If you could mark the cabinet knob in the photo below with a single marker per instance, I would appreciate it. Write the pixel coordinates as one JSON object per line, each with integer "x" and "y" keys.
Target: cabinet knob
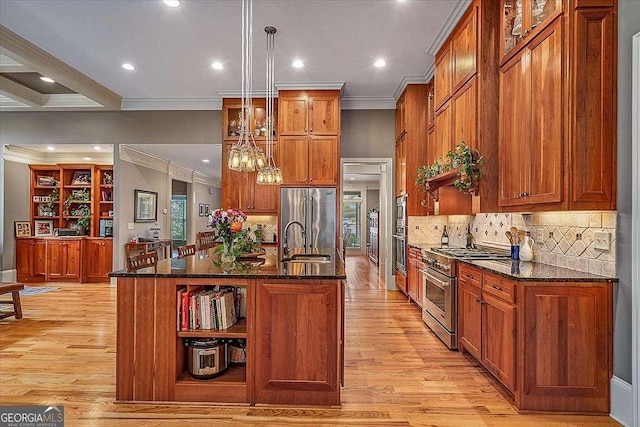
{"x": 496, "y": 287}
{"x": 310, "y": 129}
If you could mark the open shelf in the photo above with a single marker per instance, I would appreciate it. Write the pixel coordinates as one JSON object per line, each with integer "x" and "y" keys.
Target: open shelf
{"x": 238, "y": 330}
{"x": 234, "y": 374}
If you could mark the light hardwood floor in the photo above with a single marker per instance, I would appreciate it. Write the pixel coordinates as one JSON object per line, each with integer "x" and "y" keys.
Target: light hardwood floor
{"x": 397, "y": 372}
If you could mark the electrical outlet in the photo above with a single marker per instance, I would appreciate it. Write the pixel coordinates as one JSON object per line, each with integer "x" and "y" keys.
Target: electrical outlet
{"x": 602, "y": 240}
{"x": 417, "y": 227}
{"x": 539, "y": 235}
{"x": 130, "y": 226}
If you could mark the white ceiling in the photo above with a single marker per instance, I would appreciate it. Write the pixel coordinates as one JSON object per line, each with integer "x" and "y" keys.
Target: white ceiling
{"x": 173, "y": 48}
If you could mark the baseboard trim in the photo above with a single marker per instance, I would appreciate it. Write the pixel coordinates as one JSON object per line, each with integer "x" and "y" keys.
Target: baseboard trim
{"x": 621, "y": 401}
{"x": 9, "y": 275}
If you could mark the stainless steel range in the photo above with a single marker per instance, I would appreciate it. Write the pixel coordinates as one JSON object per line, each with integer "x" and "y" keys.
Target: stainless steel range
{"x": 440, "y": 288}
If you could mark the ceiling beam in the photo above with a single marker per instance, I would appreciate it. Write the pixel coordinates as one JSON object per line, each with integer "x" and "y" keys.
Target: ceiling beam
{"x": 20, "y": 93}
{"x": 46, "y": 64}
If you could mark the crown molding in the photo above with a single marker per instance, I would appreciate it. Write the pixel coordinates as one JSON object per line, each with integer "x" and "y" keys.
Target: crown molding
{"x": 133, "y": 104}
{"x": 367, "y": 103}
{"x": 428, "y": 75}
{"x": 20, "y": 93}
{"x": 310, "y": 86}
{"x": 25, "y": 52}
{"x": 173, "y": 169}
{"x": 54, "y": 102}
{"x": 203, "y": 178}
{"x": 238, "y": 94}
{"x": 449, "y": 25}
{"x": 25, "y": 155}
{"x": 407, "y": 80}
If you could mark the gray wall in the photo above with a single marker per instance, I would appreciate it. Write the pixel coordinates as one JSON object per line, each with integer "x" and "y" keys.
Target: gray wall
{"x": 628, "y": 26}
{"x": 16, "y": 207}
{"x": 368, "y": 134}
{"x": 125, "y": 127}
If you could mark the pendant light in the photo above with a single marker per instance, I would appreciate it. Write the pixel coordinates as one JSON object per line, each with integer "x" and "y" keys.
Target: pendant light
{"x": 270, "y": 174}
{"x": 244, "y": 155}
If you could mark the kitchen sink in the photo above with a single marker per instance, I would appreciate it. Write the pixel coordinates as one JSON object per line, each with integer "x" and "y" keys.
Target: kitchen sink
{"x": 318, "y": 258}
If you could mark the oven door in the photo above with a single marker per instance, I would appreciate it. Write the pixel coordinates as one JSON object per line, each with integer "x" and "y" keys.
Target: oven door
{"x": 439, "y": 298}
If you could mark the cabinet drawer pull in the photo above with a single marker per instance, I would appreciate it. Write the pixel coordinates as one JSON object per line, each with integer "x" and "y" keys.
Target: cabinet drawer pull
{"x": 479, "y": 301}
{"x": 470, "y": 276}
{"x": 496, "y": 287}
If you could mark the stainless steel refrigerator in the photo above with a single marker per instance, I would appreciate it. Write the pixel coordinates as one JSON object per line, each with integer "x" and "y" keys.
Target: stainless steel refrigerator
{"x": 315, "y": 208}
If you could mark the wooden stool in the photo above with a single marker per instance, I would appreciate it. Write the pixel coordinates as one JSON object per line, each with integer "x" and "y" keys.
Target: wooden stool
{"x": 14, "y": 288}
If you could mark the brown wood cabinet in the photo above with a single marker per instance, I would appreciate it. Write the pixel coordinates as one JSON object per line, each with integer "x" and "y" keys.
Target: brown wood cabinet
{"x": 309, "y": 112}
{"x": 64, "y": 260}
{"x": 97, "y": 262}
{"x": 240, "y": 190}
{"x": 466, "y": 102}
{"x": 414, "y": 277}
{"x": 297, "y": 357}
{"x": 309, "y": 123}
{"x": 401, "y": 281}
{"x": 565, "y": 128}
{"x": 401, "y": 118}
{"x": 31, "y": 259}
{"x": 548, "y": 343}
{"x": 310, "y": 160}
{"x": 522, "y": 20}
{"x": 256, "y": 116}
{"x": 411, "y": 150}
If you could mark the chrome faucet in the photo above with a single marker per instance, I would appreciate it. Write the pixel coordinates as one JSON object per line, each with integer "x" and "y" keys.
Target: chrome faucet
{"x": 285, "y": 246}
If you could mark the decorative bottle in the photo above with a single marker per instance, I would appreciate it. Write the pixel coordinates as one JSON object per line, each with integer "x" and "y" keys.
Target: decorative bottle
{"x": 444, "y": 239}
{"x": 469, "y": 236}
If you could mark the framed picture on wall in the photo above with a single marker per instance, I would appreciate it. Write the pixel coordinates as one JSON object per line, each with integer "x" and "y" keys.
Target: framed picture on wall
{"x": 145, "y": 206}
{"x": 23, "y": 228}
{"x": 201, "y": 209}
{"x": 43, "y": 228}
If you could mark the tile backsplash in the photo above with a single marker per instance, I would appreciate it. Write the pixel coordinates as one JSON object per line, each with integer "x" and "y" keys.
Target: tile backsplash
{"x": 268, "y": 223}
{"x": 563, "y": 239}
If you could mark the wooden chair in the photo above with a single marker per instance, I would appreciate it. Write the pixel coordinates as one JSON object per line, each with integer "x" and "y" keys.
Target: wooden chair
{"x": 134, "y": 249}
{"x": 186, "y": 250}
{"x": 345, "y": 241}
{"x": 205, "y": 239}
{"x": 14, "y": 289}
{"x": 144, "y": 260}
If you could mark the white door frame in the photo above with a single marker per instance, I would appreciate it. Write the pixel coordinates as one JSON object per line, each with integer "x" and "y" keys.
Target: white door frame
{"x": 385, "y": 226}
{"x": 635, "y": 227}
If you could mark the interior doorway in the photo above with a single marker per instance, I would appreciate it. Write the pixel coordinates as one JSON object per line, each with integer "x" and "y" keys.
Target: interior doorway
{"x": 179, "y": 223}
{"x": 367, "y": 185}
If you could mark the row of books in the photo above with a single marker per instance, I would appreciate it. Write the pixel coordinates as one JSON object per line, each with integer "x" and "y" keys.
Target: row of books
{"x": 211, "y": 308}
{"x": 106, "y": 196}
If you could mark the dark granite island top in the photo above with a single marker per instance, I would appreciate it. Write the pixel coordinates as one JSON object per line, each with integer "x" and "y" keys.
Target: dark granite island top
{"x": 536, "y": 272}
{"x": 205, "y": 264}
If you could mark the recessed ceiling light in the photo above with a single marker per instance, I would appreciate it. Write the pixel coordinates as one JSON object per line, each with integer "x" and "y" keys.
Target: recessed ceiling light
{"x": 298, "y": 63}
{"x": 50, "y": 148}
{"x": 128, "y": 66}
{"x": 401, "y": 1}
{"x": 97, "y": 148}
{"x": 217, "y": 65}
{"x": 205, "y": 160}
{"x": 352, "y": 179}
{"x": 47, "y": 79}
{"x": 86, "y": 158}
{"x": 171, "y": 3}
{"x": 380, "y": 63}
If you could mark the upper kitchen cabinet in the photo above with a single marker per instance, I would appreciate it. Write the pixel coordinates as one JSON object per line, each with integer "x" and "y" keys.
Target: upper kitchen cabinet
{"x": 431, "y": 105}
{"x": 401, "y": 119}
{"x": 558, "y": 120}
{"x": 466, "y": 103}
{"x": 309, "y": 112}
{"x": 309, "y": 125}
{"x": 240, "y": 190}
{"x": 411, "y": 149}
{"x": 309, "y": 160}
{"x": 522, "y": 20}
{"x": 256, "y": 115}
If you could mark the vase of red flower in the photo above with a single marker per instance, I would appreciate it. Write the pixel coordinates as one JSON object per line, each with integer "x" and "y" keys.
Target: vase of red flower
{"x": 227, "y": 223}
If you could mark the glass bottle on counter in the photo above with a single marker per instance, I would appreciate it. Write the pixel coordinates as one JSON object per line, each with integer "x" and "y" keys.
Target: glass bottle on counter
{"x": 469, "y": 236}
{"x": 444, "y": 239}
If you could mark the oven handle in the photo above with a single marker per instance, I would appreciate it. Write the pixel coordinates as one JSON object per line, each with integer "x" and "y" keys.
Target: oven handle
{"x": 438, "y": 282}
{"x": 398, "y": 236}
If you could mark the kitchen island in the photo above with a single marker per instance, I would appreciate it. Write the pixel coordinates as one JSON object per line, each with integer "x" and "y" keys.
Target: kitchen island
{"x": 292, "y": 325}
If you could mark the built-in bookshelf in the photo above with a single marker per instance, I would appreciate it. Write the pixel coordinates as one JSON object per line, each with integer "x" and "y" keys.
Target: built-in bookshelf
{"x": 70, "y": 196}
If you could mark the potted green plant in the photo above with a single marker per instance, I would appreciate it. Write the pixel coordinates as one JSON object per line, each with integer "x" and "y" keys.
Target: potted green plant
{"x": 84, "y": 212}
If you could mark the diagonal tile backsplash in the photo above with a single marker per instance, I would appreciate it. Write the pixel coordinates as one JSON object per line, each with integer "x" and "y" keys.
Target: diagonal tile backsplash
{"x": 564, "y": 239}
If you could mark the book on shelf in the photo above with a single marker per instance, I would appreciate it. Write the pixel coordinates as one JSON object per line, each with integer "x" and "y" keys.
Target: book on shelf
{"x": 210, "y": 308}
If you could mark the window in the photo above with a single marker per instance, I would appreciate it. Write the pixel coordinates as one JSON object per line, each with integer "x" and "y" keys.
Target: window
{"x": 351, "y": 213}
{"x": 179, "y": 219}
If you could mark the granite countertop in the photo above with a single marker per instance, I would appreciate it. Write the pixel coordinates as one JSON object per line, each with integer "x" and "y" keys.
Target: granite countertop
{"x": 523, "y": 271}
{"x": 205, "y": 264}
